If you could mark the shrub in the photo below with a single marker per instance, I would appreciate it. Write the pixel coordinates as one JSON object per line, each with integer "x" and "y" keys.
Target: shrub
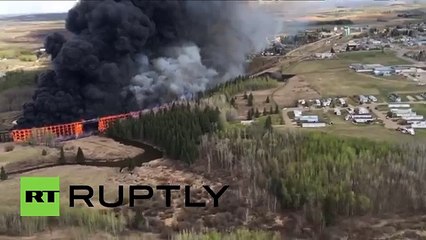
{"x": 80, "y": 156}
{"x": 3, "y": 174}
{"x": 44, "y": 152}
{"x": 9, "y": 148}
{"x": 61, "y": 159}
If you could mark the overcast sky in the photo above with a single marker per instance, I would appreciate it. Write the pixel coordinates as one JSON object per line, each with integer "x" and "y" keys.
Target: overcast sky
{"x": 23, "y": 7}
{"x": 47, "y": 6}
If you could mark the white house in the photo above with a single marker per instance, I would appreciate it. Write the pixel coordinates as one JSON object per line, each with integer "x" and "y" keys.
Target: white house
{"x": 342, "y": 101}
{"x": 398, "y": 105}
{"x": 401, "y": 110}
{"x": 313, "y": 125}
{"x": 363, "y": 120}
{"x": 363, "y": 99}
{"x": 362, "y": 116}
{"x": 363, "y": 110}
{"x": 326, "y": 55}
{"x": 409, "y": 114}
{"x": 337, "y": 111}
{"x": 247, "y": 122}
{"x": 318, "y": 102}
{"x": 309, "y": 118}
{"x": 383, "y": 71}
{"x": 419, "y": 125}
{"x": 372, "y": 98}
{"x": 297, "y": 113}
{"x": 417, "y": 117}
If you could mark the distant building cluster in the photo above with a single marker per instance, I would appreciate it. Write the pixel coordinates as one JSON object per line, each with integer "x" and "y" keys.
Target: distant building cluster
{"x": 408, "y": 118}
{"x": 360, "y": 115}
{"x": 415, "y": 73}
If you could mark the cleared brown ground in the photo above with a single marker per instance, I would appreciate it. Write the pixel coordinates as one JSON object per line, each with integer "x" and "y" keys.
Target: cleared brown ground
{"x": 295, "y": 89}
{"x": 366, "y": 15}
{"x": 94, "y": 148}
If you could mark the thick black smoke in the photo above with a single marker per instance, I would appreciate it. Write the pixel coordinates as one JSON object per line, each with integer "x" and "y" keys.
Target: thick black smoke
{"x": 127, "y": 55}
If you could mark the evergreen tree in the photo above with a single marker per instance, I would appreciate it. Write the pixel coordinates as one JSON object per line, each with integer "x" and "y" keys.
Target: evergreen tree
{"x": 3, "y": 174}
{"x": 265, "y": 112}
{"x": 130, "y": 164}
{"x": 61, "y": 159}
{"x": 267, "y": 99}
{"x": 245, "y": 96}
{"x": 250, "y": 100}
{"x": 249, "y": 115}
{"x": 80, "y": 156}
{"x": 277, "y": 110}
{"x": 257, "y": 113}
{"x": 332, "y": 50}
{"x": 232, "y": 102}
{"x": 268, "y": 123}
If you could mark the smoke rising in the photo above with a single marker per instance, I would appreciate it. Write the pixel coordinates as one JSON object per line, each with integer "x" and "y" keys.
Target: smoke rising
{"x": 127, "y": 55}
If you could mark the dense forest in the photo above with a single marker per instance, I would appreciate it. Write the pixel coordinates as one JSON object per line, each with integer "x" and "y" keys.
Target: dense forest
{"x": 177, "y": 130}
{"x": 323, "y": 175}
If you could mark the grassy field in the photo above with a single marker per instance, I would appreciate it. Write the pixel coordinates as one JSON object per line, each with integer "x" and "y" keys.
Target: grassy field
{"x": 17, "y": 79}
{"x": 419, "y": 109}
{"x": 334, "y": 78}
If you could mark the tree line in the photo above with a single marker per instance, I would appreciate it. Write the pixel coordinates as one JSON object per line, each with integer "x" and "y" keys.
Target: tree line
{"x": 177, "y": 130}
{"x": 323, "y": 175}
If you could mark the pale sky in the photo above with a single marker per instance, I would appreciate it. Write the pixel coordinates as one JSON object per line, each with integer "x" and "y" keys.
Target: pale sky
{"x": 23, "y": 7}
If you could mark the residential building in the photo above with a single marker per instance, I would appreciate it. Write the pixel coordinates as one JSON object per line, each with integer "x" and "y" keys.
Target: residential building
{"x": 363, "y": 99}
{"x": 326, "y": 55}
{"x": 362, "y": 116}
{"x": 297, "y": 113}
{"x": 372, "y": 98}
{"x": 363, "y": 120}
{"x": 401, "y": 110}
{"x": 362, "y": 110}
{"x": 248, "y": 122}
{"x": 313, "y": 125}
{"x": 394, "y": 98}
{"x": 337, "y": 111}
{"x": 409, "y": 114}
{"x": 309, "y": 118}
{"x": 398, "y": 105}
{"x": 419, "y": 125}
{"x": 417, "y": 117}
{"x": 383, "y": 71}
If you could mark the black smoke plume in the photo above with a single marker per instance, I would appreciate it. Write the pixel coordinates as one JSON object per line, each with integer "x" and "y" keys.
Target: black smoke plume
{"x": 128, "y": 55}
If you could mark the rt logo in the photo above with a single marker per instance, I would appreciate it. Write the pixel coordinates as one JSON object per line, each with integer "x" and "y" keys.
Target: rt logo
{"x": 40, "y": 196}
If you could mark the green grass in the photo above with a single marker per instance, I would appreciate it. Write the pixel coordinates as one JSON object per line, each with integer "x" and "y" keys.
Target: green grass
{"x": 370, "y": 57}
{"x": 276, "y": 119}
{"x": 19, "y": 78}
{"x": 27, "y": 58}
{"x": 419, "y": 108}
{"x": 17, "y": 53}
{"x": 334, "y": 78}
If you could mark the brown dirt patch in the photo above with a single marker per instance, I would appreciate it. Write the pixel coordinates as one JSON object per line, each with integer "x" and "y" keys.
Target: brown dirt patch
{"x": 295, "y": 89}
